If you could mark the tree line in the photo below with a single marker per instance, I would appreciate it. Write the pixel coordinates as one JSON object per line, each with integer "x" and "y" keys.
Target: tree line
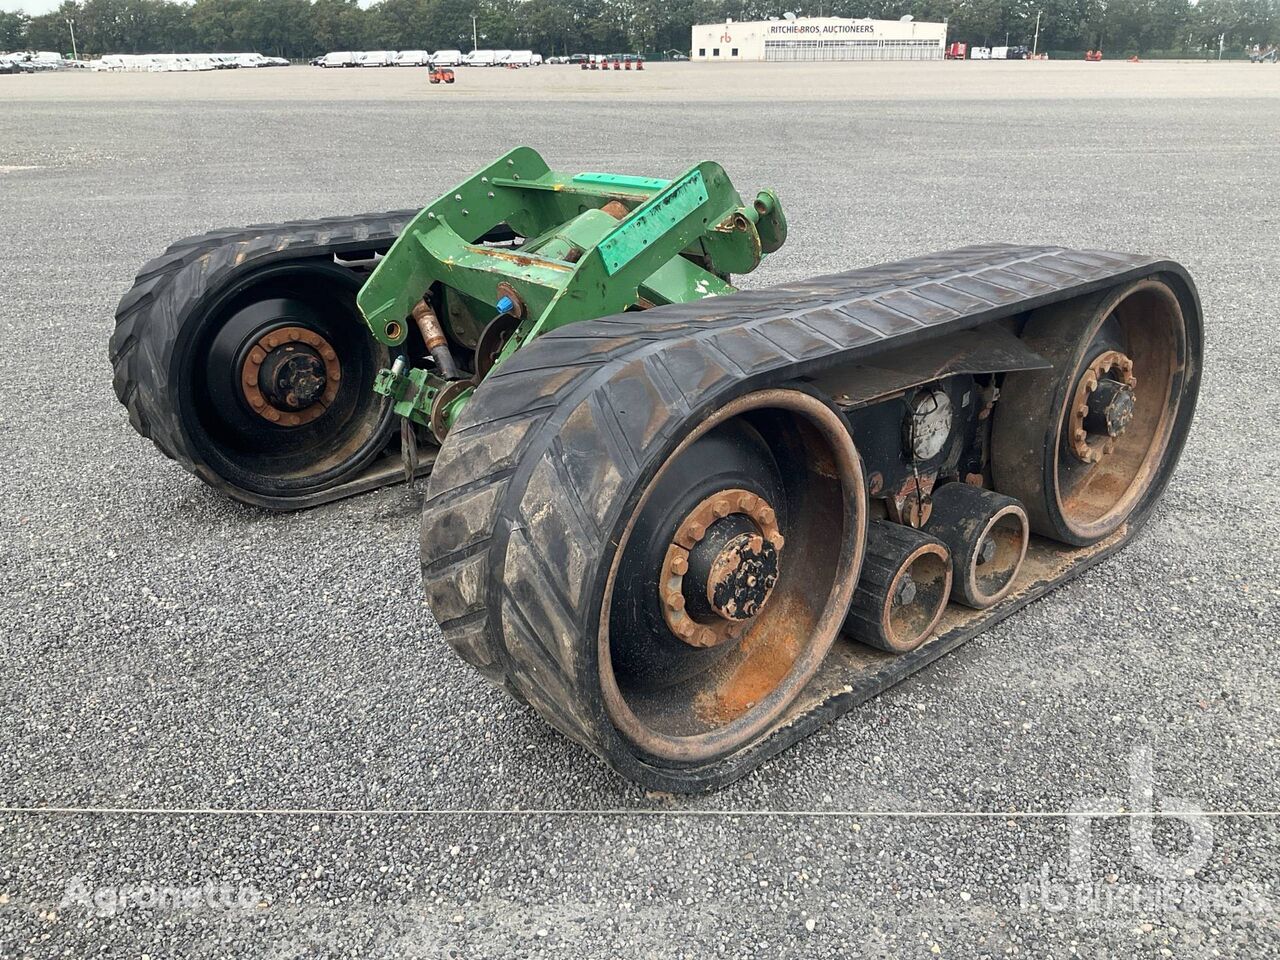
{"x": 305, "y": 28}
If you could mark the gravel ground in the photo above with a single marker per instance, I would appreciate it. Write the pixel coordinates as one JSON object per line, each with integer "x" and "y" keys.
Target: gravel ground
{"x": 161, "y": 649}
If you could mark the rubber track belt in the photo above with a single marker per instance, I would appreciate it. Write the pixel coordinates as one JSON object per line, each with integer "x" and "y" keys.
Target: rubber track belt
{"x": 535, "y": 483}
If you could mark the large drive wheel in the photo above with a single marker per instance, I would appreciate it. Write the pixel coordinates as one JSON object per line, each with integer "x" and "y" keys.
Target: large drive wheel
{"x": 1090, "y": 443}
{"x": 659, "y": 583}
{"x": 275, "y": 382}
{"x": 732, "y": 577}
{"x": 243, "y": 357}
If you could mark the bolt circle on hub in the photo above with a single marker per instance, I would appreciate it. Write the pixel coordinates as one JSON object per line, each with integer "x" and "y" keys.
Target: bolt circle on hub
{"x": 1103, "y": 406}
{"x": 721, "y": 567}
{"x": 290, "y": 376}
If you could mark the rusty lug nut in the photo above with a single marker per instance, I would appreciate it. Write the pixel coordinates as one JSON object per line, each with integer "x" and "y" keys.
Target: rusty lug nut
{"x": 721, "y": 508}
{"x": 680, "y": 566}
{"x": 706, "y": 637}
{"x": 697, "y": 530}
{"x": 778, "y": 541}
{"x": 767, "y": 516}
{"x": 675, "y": 601}
{"x": 746, "y": 503}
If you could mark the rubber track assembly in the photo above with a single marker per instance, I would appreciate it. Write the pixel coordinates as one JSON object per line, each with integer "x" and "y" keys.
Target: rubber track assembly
{"x": 530, "y": 494}
{"x": 152, "y": 317}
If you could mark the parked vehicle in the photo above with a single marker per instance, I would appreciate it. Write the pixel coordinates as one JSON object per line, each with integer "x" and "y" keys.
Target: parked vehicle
{"x": 412, "y": 58}
{"x": 378, "y": 58}
{"x": 341, "y": 59}
{"x": 447, "y": 58}
{"x": 522, "y": 58}
{"x": 441, "y": 75}
{"x": 500, "y": 58}
{"x": 478, "y": 58}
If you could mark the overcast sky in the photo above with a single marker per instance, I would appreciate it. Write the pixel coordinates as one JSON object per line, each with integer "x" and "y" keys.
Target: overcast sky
{"x": 30, "y": 6}
{"x": 44, "y": 6}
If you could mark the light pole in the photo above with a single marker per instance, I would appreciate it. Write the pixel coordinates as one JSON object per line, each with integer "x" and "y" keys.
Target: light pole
{"x": 1035, "y": 44}
{"x": 71, "y": 25}
{"x": 474, "y": 43}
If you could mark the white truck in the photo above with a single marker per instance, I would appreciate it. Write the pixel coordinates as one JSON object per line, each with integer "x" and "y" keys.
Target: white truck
{"x": 447, "y": 58}
{"x": 479, "y": 58}
{"x": 412, "y": 58}
{"x": 342, "y": 58}
{"x": 521, "y": 58}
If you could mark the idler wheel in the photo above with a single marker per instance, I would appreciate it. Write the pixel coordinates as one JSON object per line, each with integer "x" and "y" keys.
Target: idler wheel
{"x": 1091, "y": 441}
{"x": 987, "y": 535}
{"x": 905, "y": 584}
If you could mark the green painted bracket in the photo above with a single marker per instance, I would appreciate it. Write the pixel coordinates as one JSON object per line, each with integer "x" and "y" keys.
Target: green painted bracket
{"x": 594, "y": 244}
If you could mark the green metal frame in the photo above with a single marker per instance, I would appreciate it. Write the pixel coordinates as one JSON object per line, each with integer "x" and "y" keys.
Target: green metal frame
{"x": 679, "y": 241}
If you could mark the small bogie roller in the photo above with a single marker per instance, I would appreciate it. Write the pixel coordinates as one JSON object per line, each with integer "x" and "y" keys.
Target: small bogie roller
{"x": 903, "y": 590}
{"x": 986, "y": 534}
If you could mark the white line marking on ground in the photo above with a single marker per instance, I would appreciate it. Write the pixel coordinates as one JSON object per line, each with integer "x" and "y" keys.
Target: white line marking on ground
{"x": 622, "y": 812}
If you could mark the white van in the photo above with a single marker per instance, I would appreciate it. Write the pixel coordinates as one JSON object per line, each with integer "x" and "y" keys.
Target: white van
{"x": 412, "y": 58}
{"x": 500, "y": 58}
{"x": 521, "y": 58}
{"x": 447, "y": 58}
{"x": 378, "y": 58}
{"x": 478, "y": 58}
{"x": 340, "y": 59}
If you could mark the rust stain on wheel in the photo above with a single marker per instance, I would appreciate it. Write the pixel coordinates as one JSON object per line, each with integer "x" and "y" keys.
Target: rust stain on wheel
{"x": 679, "y": 703}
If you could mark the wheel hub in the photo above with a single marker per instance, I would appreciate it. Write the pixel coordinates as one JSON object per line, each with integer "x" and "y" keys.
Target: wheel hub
{"x": 1103, "y": 406}
{"x": 741, "y": 577}
{"x": 290, "y": 376}
{"x": 720, "y": 568}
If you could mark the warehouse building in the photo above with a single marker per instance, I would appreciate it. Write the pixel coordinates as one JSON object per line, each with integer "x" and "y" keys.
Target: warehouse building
{"x": 819, "y": 38}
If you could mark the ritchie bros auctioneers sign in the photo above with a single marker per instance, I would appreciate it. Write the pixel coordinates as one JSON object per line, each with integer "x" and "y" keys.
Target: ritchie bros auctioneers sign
{"x": 830, "y": 29}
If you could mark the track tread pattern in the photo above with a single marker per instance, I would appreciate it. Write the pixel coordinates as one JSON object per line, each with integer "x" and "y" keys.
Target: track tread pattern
{"x": 581, "y": 419}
